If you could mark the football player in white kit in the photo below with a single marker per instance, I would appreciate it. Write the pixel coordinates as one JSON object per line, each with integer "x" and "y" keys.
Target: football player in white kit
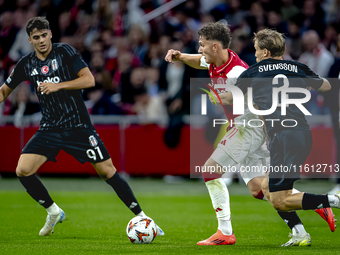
{"x": 242, "y": 145}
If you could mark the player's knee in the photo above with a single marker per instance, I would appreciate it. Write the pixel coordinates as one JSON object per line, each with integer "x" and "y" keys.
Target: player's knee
{"x": 254, "y": 193}
{"x": 22, "y": 171}
{"x": 106, "y": 172}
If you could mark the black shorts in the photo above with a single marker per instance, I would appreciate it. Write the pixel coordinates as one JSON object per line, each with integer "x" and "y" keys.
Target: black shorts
{"x": 83, "y": 144}
{"x": 289, "y": 149}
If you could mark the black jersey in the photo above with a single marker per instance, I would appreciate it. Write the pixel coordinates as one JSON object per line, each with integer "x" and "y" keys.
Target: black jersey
{"x": 260, "y": 77}
{"x": 63, "y": 109}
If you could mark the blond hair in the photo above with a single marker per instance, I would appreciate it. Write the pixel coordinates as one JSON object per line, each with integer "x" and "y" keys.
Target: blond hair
{"x": 271, "y": 40}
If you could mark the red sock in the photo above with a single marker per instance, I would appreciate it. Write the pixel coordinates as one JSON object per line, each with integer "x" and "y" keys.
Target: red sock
{"x": 260, "y": 195}
{"x": 207, "y": 176}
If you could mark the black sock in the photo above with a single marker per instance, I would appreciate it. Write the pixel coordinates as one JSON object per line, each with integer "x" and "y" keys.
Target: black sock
{"x": 36, "y": 190}
{"x": 291, "y": 218}
{"x": 124, "y": 192}
{"x": 311, "y": 201}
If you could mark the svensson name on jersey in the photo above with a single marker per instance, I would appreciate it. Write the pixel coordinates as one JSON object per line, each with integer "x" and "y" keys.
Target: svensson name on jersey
{"x": 278, "y": 66}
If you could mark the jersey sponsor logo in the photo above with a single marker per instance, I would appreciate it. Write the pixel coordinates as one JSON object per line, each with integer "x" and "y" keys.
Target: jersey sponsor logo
{"x": 44, "y": 69}
{"x": 54, "y": 64}
{"x": 34, "y": 72}
{"x": 54, "y": 79}
{"x": 93, "y": 141}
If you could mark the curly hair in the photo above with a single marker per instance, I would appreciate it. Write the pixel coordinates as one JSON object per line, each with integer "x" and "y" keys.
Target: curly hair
{"x": 271, "y": 40}
{"x": 39, "y": 23}
{"x": 216, "y": 31}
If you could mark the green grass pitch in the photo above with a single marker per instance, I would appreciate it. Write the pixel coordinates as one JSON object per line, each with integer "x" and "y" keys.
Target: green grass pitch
{"x": 96, "y": 220}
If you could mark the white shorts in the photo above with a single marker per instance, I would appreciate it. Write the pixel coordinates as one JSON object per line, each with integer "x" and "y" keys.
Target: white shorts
{"x": 243, "y": 150}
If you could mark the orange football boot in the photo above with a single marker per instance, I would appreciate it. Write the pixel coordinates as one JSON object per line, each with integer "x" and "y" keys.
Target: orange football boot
{"x": 327, "y": 215}
{"x": 219, "y": 239}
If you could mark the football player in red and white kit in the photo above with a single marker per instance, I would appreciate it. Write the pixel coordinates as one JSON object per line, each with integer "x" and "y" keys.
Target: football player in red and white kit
{"x": 242, "y": 145}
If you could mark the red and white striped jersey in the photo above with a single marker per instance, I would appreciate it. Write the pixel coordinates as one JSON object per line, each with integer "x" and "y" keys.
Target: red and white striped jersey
{"x": 227, "y": 74}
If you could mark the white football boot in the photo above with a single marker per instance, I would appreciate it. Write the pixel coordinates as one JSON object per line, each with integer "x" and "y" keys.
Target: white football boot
{"x": 338, "y": 196}
{"x": 160, "y": 232}
{"x": 299, "y": 240}
{"x": 51, "y": 221}
{"x": 335, "y": 190}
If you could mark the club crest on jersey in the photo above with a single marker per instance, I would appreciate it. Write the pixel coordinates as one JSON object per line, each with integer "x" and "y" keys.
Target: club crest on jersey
{"x": 54, "y": 64}
{"x": 93, "y": 141}
{"x": 44, "y": 69}
{"x": 220, "y": 80}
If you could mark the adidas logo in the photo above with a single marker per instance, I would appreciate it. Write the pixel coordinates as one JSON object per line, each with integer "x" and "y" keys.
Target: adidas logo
{"x": 35, "y": 72}
{"x": 133, "y": 205}
{"x": 41, "y": 201}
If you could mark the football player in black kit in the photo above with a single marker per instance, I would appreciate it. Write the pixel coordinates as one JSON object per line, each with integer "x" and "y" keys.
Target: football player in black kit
{"x": 289, "y": 134}
{"x": 58, "y": 73}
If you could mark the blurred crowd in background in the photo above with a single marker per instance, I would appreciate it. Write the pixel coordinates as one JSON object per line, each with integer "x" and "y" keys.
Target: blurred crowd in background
{"x": 125, "y": 50}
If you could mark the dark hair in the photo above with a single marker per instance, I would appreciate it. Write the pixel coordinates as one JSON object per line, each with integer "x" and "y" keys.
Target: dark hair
{"x": 271, "y": 40}
{"x": 39, "y": 23}
{"x": 216, "y": 31}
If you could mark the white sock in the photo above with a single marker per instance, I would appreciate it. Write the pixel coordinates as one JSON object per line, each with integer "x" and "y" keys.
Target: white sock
{"x": 225, "y": 226}
{"x": 333, "y": 201}
{"x": 142, "y": 214}
{"x": 219, "y": 195}
{"x": 295, "y": 191}
{"x": 53, "y": 209}
{"x": 299, "y": 230}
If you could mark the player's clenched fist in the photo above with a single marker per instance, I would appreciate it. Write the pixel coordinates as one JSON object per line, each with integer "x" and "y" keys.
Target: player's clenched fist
{"x": 172, "y": 55}
{"x": 47, "y": 88}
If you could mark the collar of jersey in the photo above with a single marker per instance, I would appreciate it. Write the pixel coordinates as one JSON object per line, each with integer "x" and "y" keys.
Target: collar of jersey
{"x": 47, "y": 57}
{"x": 222, "y": 67}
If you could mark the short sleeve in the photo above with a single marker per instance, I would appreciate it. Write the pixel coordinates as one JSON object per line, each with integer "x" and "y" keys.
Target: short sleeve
{"x": 243, "y": 81}
{"x": 17, "y": 76}
{"x": 204, "y": 63}
{"x": 76, "y": 62}
{"x": 312, "y": 79}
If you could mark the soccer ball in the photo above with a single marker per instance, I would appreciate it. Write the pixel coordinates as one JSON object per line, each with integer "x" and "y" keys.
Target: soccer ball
{"x": 141, "y": 230}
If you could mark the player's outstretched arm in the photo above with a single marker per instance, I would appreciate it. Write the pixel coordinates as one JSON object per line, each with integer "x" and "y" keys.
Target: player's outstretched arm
{"x": 325, "y": 85}
{"x": 4, "y": 92}
{"x": 193, "y": 60}
{"x": 85, "y": 80}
